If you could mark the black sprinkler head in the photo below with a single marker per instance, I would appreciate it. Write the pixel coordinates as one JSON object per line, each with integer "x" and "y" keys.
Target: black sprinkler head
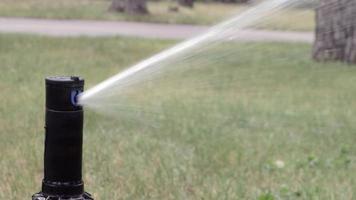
{"x": 63, "y": 141}
{"x": 62, "y": 92}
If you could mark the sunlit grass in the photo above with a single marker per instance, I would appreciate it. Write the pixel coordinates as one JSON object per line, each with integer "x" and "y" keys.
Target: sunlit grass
{"x": 280, "y": 107}
{"x": 203, "y": 13}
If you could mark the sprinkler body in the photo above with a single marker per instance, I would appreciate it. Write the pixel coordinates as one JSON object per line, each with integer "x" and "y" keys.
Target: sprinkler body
{"x": 63, "y": 141}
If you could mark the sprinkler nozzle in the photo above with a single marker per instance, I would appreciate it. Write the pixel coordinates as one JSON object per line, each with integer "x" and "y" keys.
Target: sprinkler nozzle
{"x": 63, "y": 141}
{"x": 74, "y": 97}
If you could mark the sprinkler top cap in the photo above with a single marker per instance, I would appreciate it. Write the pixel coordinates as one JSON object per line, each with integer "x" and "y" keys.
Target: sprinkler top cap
{"x": 69, "y": 81}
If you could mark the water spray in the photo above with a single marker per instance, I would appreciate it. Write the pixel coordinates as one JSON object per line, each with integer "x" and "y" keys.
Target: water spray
{"x": 224, "y": 31}
{"x": 63, "y": 141}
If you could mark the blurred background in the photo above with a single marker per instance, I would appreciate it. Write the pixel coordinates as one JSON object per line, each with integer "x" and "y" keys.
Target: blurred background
{"x": 267, "y": 114}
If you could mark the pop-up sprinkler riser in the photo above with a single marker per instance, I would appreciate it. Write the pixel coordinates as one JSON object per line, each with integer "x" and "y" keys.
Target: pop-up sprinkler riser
{"x": 63, "y": 141}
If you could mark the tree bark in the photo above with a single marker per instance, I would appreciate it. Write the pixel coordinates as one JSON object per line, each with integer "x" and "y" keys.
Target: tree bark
{"x": 186, "y": 3}
{"x": 335, "y": 31}
{"x": 129, "y": 6}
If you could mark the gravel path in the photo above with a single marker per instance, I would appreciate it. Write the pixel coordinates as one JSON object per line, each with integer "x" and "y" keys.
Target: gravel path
{"x": 74, "y": 28}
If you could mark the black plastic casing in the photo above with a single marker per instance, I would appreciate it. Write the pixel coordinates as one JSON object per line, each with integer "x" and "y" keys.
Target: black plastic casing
{"x": 63, "y": 141}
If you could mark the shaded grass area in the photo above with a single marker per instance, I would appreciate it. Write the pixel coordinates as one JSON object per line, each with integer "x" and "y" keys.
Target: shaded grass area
{"x": 280, "y": 107}
{"x": 203, "y": 13}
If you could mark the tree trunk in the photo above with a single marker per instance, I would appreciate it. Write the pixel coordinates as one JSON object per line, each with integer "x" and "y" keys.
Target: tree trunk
{"x": 129, "y": 6}
{"x": 335, "y": 31}
{"x": 186, "y": 3}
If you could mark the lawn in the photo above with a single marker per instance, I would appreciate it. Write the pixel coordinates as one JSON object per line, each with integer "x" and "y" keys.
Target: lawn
{"x": 203, "y": 13}
{"x": 285, "y": 128}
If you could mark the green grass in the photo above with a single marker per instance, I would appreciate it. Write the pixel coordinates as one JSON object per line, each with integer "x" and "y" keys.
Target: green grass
{"x": 203, "y": 13}
{"x": 281, "y": 106}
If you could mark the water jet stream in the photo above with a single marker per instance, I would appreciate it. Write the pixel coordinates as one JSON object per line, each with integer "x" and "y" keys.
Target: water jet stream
{"x": 222, "y": 32}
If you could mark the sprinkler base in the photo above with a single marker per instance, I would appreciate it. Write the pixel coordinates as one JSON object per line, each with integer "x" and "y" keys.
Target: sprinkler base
{"x": 41, "y": 196}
